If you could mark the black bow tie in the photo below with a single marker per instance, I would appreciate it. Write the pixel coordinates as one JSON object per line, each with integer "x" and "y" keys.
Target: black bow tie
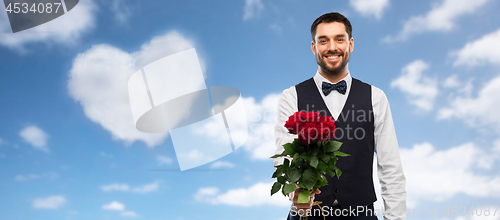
{"x": 341, "y": 87}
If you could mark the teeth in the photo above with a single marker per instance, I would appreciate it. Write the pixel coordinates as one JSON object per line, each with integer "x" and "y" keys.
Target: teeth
{"x": 333, "y": 57}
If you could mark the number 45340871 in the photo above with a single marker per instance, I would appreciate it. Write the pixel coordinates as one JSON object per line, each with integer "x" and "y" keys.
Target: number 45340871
{"x": 34, "y": 8}
{"x": 478, "y": 211}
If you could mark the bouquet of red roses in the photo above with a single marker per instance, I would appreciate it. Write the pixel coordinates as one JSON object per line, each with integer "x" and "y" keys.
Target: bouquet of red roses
{"x": 313, "y": 155}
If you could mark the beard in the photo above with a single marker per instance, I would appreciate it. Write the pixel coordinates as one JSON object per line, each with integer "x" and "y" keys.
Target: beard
{"x": 333, "y": 70}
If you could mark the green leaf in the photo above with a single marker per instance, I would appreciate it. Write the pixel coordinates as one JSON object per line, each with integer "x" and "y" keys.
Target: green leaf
{"x": 330, "y": 172}
{"x": 313, "y": 161}
{"x": 299, "y": 148}
{"x": 297, "y": 142}
{"x": 281, "y": 179}
{"x": 309, "y": 178}
{"x": 280, "y": 155}
{"x": 304, "y": 156}
{"x": 278, "y": 172}
{"x": 275, "y": 174}
{"x": 338, "y": 172}
{"x": 304, "y": 197}
{"x": 321, "y": 182}
{"x": 322, "y": 166}
{"x": 276, "y": 187}
{"x": 341, "y": 154}
{"x": 294, "y": 175}
{"x": 286, "y": 163}
{"x": 325, "y": 157}
{"x": 331, "y": 163}
{"x": 296, "y": 155}
{"x": 289, "y": 149}
{"x": 332, "y": 146}
{"x": 297, "y": 162}
{"x": 301, "y": 185}
{"x": 288, "y": 188}
{"x": 314, "y": 151}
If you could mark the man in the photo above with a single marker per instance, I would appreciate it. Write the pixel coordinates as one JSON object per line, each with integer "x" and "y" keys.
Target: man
{"x": 364, "y": 126}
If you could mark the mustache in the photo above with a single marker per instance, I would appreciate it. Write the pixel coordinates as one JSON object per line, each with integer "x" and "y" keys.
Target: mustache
{"x": 333, "y": 53}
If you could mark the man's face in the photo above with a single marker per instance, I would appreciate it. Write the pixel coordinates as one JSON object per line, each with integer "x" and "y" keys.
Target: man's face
{"x": 332, "y": 48}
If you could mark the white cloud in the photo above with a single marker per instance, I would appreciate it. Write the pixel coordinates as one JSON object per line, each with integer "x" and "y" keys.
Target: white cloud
{"x": 221, "y": 164}
{"x": 256, "y": 195}
{"x": 374, "y": 8}
{"x": 115, "y": 206}
{"x": 98, "y": 81}
{"x": 115, "y": 187}
{"x": 22, "y": 178}
{"x": 51, "y": 202}
{"x": 452, "y": 81}
{"x": 481, "y": 111}
{"x": 419, "y": 89}
{"x": 129, "y": 214}
{"x": 146, "y": 188}
{"x": 121, "y": 10}
{"x": 448, "y": 172}
{"x": 252, "y": 9}
{"x": 65, "y": 30}
{"x": 164, "y": 159}
{"x": 442, "y": 17}
{"x": 36, "y": 137}
{"x": 261, "y": 119}
{"x": 481, "y": 51}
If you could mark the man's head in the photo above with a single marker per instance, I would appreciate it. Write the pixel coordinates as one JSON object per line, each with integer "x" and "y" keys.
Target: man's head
{"x": 332, "y": 43}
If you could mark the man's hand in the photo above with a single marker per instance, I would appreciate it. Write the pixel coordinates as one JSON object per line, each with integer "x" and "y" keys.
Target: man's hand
{"x": 302, "y": 208}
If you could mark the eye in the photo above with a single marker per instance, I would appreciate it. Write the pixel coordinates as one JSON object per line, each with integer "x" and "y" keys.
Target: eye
{"x": 340, "y": 39}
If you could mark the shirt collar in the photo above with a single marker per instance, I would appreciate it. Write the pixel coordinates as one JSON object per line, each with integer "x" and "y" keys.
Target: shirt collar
{"x": 319, "y": 79}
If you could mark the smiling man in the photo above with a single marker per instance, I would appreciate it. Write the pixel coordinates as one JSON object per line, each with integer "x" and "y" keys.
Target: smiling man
{"x": 364, "y": 126}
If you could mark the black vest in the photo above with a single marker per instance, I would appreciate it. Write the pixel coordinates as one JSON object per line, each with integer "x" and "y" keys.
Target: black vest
{"x": 354, "y": 128}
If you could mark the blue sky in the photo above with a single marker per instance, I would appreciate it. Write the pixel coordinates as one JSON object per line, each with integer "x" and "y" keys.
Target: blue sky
{"x": 69, "y": 152}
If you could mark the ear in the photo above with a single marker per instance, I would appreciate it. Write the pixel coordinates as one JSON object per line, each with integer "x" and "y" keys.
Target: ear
{"x": 313, "y": 48}
{"x": 351, "y": 45}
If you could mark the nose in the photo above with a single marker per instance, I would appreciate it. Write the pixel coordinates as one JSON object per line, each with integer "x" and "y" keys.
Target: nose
{"x": 332, "y": 46}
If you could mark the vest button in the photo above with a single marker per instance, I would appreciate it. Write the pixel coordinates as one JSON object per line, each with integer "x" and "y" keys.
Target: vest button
{"x": 337, "y": 191}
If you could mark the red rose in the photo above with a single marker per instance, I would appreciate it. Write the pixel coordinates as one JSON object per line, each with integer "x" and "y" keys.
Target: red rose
{"x": 328, "y": 124}
{"x": 309, "y": 116}
{"x": 307, "y": 134}
{"x": 323, "y": 134}
{"x": 294, "y": 123}
{"x": 311, "y": 127}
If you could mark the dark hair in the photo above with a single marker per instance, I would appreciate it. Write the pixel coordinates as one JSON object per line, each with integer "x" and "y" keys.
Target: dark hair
{"x": 329, "y": 18}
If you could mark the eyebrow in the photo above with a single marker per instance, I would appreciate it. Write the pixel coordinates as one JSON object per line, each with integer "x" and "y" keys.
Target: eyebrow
{"x": 338, "y": 35}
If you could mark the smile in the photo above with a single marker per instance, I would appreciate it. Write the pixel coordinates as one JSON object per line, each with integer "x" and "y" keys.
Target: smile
{"x": 332, "y": 58}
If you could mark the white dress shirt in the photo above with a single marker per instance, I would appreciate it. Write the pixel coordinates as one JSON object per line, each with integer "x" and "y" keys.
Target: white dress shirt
{"x": 390, "y": 171}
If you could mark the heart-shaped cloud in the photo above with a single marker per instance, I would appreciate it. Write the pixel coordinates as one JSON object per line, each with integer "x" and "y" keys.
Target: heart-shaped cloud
{"x": 98, "y": 80}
